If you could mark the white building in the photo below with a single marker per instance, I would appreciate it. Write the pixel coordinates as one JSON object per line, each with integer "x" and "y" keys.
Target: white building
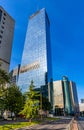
{"x": 6, "y": 38}
{"x": 81, "y": 107}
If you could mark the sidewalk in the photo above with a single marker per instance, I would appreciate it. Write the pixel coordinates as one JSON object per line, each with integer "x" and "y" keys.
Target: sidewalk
{"x": 74, "y": 126}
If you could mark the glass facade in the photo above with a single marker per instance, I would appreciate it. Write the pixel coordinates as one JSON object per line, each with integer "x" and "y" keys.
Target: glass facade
{"x": 63, "y": 94}
{"x": 74, "y": 97}
{"x": 58, "y": 94}
{"x": 67, "y": 99}
{"x": 36, "y": 52}
{"x": 70, "y": 96}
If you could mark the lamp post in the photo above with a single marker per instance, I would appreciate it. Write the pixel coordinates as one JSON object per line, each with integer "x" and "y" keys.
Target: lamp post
{"x": 41, "y": 103}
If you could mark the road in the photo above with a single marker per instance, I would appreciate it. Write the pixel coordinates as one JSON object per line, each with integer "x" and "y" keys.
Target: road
{"x": 81, "y": 123}
{"x": 50, "y": 125}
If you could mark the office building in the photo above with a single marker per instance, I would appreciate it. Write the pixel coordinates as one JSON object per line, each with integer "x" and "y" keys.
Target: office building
{"x": 14, "y": 75}
{"x": 36, "y": 59}
{"x": 81, "y": 107}
{"x": 64, "y": 96}
{"x": 71, "y": 105}
{"x": 58, "y": 94}
{"x": 6, "y": 38}
{"x": 82, "y": 100}
{"x": 74, "y": 97}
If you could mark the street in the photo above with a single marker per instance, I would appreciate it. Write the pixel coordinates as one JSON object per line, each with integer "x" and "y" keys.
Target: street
{"x": 52, "y": 125}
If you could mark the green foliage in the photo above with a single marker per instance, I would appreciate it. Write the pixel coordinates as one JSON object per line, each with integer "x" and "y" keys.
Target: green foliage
{"x": 18, "y": 125}
{"x": 31, "y": 106}
{"x": 13, "y": 99}
{"x": 2, "y": 95}
{"x": 4, "y": 77}
{"x": 52, "y": 119}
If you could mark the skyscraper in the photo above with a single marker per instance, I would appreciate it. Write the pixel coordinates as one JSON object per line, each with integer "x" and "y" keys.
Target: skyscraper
{"x": 36, "y": 58}
{"x": 6, "y": 37}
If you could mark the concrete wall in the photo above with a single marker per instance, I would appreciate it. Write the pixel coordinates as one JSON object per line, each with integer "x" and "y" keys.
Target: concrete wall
{"x": 6, "y": 38}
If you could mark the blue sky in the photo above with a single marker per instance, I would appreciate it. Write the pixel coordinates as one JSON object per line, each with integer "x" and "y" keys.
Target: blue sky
{"x": 67, "y": 35}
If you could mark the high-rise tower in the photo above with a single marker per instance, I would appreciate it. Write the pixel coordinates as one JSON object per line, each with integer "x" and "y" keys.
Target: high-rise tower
{"x": 6, "y": 37}
{"x": 36, "y": 58}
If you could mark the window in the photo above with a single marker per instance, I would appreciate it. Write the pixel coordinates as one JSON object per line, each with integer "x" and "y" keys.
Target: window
{"x": 0, "y": 36}
{"x": 2, "y": 27}
{"x": 4, "y": 18}
{"x": 0, "y": 14}
{"x": 1, "y": 31}
{"x": 3, "y": 22}
{"x": 4, "y": 14}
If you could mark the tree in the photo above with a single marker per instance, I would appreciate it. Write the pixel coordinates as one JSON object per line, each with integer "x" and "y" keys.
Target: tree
{"x": 13, "y": 99}
{"x": 4, "y": 76}
{"x": 31, "y": 106}
{"x": 2, "y": 93}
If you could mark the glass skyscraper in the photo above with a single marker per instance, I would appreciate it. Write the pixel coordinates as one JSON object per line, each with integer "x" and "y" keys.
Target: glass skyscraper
{"x": 36, "y": 58}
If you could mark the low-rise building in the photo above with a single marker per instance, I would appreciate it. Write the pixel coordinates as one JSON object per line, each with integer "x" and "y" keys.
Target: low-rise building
{"x": 63, "y": 96}
{"x": 81, "y": 107}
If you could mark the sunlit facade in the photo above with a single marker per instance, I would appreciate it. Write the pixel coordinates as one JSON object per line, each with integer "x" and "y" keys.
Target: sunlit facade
{"x": 58, "y": 94}
{"x": 36, "y": 58}
{"x": 6, "y": 38}
{"x": 71, "y": 104}
{"x": 64, "y": 96}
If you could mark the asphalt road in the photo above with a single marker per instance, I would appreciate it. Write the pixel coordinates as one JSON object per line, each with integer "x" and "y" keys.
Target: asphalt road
{"x": 50, "y": 125}
{"x": 81, "y": 123}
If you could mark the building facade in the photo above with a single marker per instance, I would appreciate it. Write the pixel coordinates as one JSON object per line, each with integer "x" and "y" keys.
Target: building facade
{"x": 82, "y": 100}
{"x": 74, "y": 97}
{"x": 14, "y": 75}
{"x": 67, "y": 95}
{"x": 64, "y": 96}
{"x": 81, "y": 107}
{"x": 6, "y": 38}
{"x": 58, "y": 94}
{"x": 36, "y": 58}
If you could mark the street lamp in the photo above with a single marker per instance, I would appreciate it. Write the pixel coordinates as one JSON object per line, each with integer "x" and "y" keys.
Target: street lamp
{"x": 41, "y": 102}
